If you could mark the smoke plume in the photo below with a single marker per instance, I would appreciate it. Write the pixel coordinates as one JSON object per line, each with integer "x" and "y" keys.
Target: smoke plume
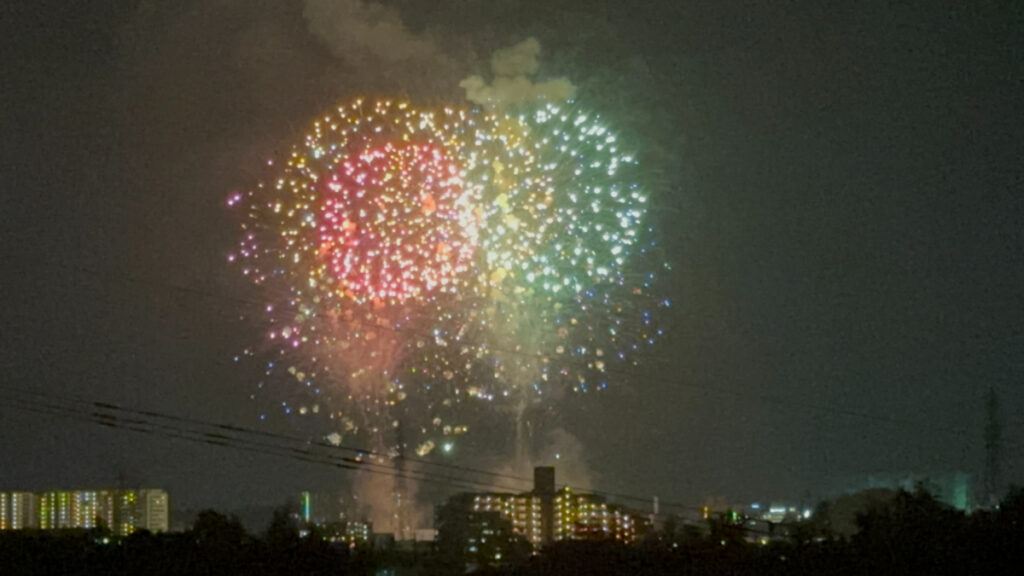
{"x": 512, "y": 69}
{"x": 353, "y": 28}
{"x": 373, "y": 41}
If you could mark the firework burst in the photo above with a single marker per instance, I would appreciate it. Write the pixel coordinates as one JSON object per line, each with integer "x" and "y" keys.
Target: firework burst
{"x": 362, "y": 234}
{"x": 434, "y": 257}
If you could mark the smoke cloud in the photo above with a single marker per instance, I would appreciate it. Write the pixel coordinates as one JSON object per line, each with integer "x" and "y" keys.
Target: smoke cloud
{"x": 512, "y": 69}
{"x": 372, "y": 40}
{"x": 557, "y": 447}
{"x": 518, "y": 60}
{"x": 568, "y": 455}
{"x": 391, "y": 503}
{"x": 353, "y": 28}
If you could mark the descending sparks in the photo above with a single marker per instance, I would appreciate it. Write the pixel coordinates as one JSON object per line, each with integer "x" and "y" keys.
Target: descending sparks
{"x": 418, "y": 258}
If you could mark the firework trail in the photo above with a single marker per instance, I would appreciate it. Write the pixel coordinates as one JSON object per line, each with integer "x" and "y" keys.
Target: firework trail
{"x": 563, "y": 222}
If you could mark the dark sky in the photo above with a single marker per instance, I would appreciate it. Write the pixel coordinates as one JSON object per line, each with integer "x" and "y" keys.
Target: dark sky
{"x": 838, "y": 189}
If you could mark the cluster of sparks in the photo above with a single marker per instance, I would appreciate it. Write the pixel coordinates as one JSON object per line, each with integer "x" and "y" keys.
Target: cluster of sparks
{"x": 414, "y": 259}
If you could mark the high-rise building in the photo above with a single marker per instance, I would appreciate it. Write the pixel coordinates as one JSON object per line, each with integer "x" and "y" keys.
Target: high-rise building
{"x": 55, "y": 510}
{"x": 127, "y": 515}
{"x": 544, "y": 492}
{"x": 523, "y": 511}
{"x": 154, "y": 510}
{"x": 541, "y": 516}
{"x": 21, "y": 510}
{"x": 122, "y": 511}
{"x": 85, "y": 509}
{"x": 475, "y": 537}
{"x": 589, "y": 517}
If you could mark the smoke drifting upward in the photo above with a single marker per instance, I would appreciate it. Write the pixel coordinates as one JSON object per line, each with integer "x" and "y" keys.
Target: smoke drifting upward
{"x": 372, "y": 39}
{"x": 558, "y": 448}
{"x": 566, "y": 453}
{"x": 391, "y": 504}
{"x": 376, "y": 495}
{"x": 355, "y": 28}
{"x": 513, "y": 69}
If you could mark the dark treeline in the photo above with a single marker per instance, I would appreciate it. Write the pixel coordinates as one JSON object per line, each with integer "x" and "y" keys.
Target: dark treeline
{"x": 911, "y": 534}
{"x": 216, "y": 545}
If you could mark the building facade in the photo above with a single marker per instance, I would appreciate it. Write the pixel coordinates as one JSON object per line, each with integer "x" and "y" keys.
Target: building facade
{"x": 122, "y": 511}
{"x": 521, "y": 511}
{"x": 572, "y": 516}
{"x": 475, "y": 537}
{"x": 22, "y": 510}
{"x": 485, "y": 526}
{"x": 589, "y": 517}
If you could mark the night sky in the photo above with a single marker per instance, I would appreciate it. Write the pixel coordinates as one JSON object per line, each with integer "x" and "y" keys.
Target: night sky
{"x": 839, "y": 191}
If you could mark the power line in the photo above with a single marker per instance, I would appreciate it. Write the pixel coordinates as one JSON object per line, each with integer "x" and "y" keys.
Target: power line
{"x": 107, "y": 412}
{"x": 151, "y": 422}
{"x": 226, "y": 435}
{"x": 244, "y": 444}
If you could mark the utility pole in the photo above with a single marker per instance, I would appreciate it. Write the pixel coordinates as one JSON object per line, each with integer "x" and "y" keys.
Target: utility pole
{"x": 400, "y": 495}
